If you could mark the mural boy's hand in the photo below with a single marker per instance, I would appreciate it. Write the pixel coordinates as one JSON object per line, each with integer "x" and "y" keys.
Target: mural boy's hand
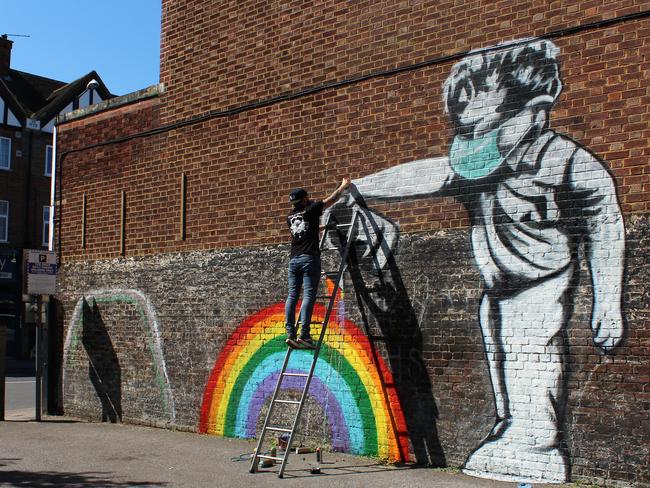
{"x": 607, "y": 327}
{"x": 383, "y": 233}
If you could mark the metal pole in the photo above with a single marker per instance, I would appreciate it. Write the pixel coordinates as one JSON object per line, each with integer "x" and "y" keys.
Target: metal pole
{"x": 39, "y": 371}
{"x": 50, "y": 239}
{"x": 45, "y": 324}
{"x": 3, "y": 332}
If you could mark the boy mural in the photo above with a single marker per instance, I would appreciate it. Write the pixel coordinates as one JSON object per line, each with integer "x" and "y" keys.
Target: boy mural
{"x": 534, "y": 197}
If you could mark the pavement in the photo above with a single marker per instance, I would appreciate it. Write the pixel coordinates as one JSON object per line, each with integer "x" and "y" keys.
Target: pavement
{"x": 73, "y": 453}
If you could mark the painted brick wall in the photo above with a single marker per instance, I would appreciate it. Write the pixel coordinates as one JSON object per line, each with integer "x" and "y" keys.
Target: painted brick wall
{"x": 512, "y": 300}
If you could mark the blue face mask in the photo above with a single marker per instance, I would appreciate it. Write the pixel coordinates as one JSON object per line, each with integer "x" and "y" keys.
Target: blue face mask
{"x": 475, "y": 158}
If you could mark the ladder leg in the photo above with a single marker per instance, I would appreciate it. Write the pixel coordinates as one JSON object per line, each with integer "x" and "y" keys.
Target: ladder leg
{"x": 331, "y": 224}
{"x": 260, "y": 442}
{"x": 328, "y": 313}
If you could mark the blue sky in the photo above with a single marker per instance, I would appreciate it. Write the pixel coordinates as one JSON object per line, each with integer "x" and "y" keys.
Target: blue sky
{"x": 120, "y": 39}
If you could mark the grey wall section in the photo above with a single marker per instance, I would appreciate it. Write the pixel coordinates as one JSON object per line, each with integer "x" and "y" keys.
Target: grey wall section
{"x": 198, "y": 298}
{"x": 142, "y": 335}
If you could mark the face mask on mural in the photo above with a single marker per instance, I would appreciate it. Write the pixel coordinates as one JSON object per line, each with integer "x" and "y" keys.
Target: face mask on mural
{"x": 479, "y": 157}
{"x": 475, "y": 158}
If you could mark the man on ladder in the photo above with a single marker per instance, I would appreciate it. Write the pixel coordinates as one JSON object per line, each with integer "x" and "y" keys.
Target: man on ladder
{"x": 305, "y": 265}
{"x": 305, "y": 269}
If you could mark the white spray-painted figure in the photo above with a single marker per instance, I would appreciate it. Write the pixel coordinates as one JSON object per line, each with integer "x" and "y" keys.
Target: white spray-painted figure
{"x": 535, "y": 199}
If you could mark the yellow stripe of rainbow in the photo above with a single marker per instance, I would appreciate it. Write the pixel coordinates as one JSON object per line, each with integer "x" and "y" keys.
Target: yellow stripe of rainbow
{"x": 346, "y": 339}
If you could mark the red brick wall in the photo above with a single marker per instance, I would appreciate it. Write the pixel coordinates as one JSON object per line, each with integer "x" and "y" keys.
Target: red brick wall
{"x": 103, "y": 173}
{"x": 250, "y": 161}
{"x": 25, "y": 212}
{"x": 239, "y": 169}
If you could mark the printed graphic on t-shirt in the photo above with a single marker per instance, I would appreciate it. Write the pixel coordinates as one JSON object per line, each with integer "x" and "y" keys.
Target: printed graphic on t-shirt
{"x": 299, "y": 225}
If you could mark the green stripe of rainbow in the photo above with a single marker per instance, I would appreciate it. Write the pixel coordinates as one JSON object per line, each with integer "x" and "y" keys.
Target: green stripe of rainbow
{"x": 356, "y": 384}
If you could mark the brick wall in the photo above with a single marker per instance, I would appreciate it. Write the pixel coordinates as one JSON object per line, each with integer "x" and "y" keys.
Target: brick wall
{"x": 23, "y": 213}
{"x": 513, "y": 299}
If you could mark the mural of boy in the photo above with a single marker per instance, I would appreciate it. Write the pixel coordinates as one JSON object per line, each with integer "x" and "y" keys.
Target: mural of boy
{"x": 535, "y": 198}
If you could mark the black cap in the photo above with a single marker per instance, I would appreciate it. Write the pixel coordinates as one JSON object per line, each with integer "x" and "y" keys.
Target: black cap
{"x": 296, "y": 195}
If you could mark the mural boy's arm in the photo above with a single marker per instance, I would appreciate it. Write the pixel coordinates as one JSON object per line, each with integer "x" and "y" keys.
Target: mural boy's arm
{"x": 414, "y": 179}
{"x": 420, "y": 178}
{"x": 605, "y": 246}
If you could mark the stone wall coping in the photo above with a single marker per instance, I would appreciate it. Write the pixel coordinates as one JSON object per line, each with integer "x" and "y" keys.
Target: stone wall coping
{"x": 112, "y": 103}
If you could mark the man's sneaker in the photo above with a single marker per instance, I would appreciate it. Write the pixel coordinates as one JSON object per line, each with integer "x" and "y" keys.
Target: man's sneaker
{"x": 307, "y": 342}
{"x": 292, "y": 342}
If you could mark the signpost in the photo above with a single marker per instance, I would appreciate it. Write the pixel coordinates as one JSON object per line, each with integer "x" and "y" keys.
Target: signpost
{"x": 42, "y": 267}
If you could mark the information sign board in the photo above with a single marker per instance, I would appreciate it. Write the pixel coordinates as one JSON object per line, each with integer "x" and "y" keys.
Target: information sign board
{"x": 42, "y": 268}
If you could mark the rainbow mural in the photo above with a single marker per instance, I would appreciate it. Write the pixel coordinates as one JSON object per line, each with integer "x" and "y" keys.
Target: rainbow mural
{"x": 358, "y": 399}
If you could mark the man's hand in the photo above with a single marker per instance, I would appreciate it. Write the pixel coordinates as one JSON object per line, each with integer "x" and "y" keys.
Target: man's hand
{"x": 334, "y": 197}
{"x": 607, "y": 326}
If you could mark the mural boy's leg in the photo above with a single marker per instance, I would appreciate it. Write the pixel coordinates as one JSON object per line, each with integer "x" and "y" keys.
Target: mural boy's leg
{"x": 531, "y": 332}
{"x": 489, "y": 319}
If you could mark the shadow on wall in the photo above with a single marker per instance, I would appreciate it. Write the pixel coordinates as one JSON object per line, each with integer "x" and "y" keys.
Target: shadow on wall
{"x": 381, "y": 293}
{"x": 103, "y": 366}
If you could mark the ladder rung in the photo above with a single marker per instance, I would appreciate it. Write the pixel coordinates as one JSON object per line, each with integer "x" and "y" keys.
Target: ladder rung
{"x": 303, "y": 375}
{"x": 278, "y": 429}
{"x": 376, "y": 338}
{"x": 334, "y": 226}
{"x": 359, "y": 243}
{"x": 274, "y": 458}
{"x": 294, "y": 402}
{"x": 312, "y": 323}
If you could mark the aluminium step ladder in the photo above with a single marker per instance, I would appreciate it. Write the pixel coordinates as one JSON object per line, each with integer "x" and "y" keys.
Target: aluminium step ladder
{"x": 346, "y": 241}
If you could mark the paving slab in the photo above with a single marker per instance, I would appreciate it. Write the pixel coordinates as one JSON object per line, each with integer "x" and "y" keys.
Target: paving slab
{"x": 68, "y": 452}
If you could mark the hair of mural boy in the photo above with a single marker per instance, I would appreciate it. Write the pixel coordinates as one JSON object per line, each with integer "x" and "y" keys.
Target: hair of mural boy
{"x": 526, "y": 70}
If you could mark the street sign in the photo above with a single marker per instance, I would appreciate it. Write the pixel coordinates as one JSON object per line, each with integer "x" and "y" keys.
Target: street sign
{"x": 42, "y": 267}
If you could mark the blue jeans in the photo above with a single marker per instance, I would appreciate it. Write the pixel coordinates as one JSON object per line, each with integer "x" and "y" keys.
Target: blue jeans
{"x": 304, "y": 272}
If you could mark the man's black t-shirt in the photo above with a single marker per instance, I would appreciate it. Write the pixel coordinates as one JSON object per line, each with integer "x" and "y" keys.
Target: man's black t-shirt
{"x": 303, "y": 224}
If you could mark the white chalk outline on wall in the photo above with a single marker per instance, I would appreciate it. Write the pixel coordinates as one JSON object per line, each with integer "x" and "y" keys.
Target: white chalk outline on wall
{"x": 154, "y": 342}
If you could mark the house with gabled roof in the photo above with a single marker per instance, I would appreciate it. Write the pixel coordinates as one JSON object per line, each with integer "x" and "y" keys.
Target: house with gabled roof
{"x": 29, "y": 105}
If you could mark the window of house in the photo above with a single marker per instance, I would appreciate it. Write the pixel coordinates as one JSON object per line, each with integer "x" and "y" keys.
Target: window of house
{"x": 48, "y": 160}
{"x": 46, "y": 225}
{"x": 5, "y": 153}
{"x": 4, "y": 220}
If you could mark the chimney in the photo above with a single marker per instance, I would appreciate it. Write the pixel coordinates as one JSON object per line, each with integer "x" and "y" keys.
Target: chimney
{"x": 5, "y": 54}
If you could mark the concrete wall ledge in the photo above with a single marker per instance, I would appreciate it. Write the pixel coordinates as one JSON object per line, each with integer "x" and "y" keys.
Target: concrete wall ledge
{"x": 113, "y": 103}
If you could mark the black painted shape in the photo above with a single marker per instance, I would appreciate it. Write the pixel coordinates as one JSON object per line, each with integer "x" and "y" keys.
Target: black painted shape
{"x": 103, "y": 365}
{"x": 384, "y": 296}
{"x": 55, "y": 359}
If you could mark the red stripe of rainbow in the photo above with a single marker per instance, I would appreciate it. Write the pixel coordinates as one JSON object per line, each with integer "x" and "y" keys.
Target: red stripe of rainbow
{"x": 376, "y": 399}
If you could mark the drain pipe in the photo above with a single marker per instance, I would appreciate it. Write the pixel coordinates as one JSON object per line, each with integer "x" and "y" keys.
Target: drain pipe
{"x": 52, "y": 191}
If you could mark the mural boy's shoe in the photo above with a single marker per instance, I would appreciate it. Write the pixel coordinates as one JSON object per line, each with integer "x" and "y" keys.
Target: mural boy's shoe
{"x": 307, "y": 342}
